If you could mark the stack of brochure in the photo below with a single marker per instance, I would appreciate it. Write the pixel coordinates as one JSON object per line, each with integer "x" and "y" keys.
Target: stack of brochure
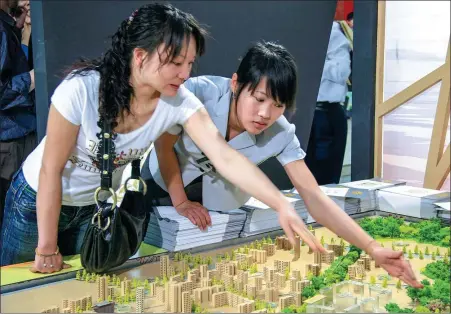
{"x": 260, "y": 218}
{"x": 366, "y": 191}
{"x": 355, "y": 197}
{"x": 412, "y": 201}
{"x": 443, "y": 210}
{"x": 340, "y": 195}
{"x": 173, "y": 232}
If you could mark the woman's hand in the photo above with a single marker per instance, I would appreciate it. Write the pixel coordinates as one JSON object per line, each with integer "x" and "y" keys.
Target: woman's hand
{"x": 292, "y": 224}
{"x": 394, "y": 263}
{"x": 50, "y": 263}
{"x": 196, "y": 213}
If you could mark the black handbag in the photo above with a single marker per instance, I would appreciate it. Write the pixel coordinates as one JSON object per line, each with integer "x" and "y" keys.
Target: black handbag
{"x": 115, "y": 232}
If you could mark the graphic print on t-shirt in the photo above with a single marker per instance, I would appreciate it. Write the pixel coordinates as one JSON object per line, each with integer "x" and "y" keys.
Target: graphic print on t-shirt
{"x": 121, "y": 160}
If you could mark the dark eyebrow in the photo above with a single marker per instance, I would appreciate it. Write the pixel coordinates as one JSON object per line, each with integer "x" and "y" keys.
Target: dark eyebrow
{"x": 277, "y": 103}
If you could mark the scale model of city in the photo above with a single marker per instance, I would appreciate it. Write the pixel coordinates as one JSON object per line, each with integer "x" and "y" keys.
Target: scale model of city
{"x": 269, "y": 275}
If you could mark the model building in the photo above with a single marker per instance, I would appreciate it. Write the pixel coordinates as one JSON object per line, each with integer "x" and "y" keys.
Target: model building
{"x": 271, "y": 275}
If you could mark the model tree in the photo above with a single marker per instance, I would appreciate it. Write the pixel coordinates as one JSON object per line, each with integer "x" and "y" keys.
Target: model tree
{"x": 83, "y": 275}
{"x": 322, "y": 240}
{"x": 78, "y": 275}
{"x": 433, "y": 256}
{"x": 372, "y": 280}
{"x": 385, "y": 283}
{"x": 398, "y": 285}
{"x": 89, "y": 305}
{"x": 416, "y": 249}
{"x": 422, "y": 309}
{"x": 404, "y": 250}
{"x": 287, "y": 273}
{"x": 410, "y": 255}
{"x": 446, "y": 258}
{"x": 393, "y": 246}
{"x": 332, "y": 240}
{"x": 382, "y": 244}
{"x": 87, "y": 277}
{"x": 437, "y": 252}
{"x": 426, "y": 251}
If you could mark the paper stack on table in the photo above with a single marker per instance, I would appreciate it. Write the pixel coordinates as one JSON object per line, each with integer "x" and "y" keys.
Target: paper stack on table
{"x": 173, "y": 232}
{"x": 412, "y": 201}
{"x": 260, "y": 218}
{"x": 366, "y": 191}
{"x": 443, "y": 210}
{"x": 341, "y": 196}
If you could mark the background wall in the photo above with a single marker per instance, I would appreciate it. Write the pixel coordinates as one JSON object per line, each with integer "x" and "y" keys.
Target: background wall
{"x": 66, "y": 30}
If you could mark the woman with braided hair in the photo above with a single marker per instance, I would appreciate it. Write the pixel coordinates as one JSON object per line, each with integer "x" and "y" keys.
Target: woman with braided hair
{"x": 137, "y": 88}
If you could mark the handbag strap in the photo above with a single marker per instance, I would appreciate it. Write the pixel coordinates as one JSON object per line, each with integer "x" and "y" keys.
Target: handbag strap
{"x": 108, "y": 154}
{"x": 107, "y": 151}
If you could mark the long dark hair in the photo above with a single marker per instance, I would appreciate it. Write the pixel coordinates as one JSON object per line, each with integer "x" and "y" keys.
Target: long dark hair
{"x": 273, "y": 62}
{"x": 147, "y": 28}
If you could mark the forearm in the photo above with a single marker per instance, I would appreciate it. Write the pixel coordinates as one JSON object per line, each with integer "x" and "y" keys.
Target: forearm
{"x": 170, "y": 171}
{"x": 328, "y": 214}
{"x": 48, "y": 209}
{"x": 337, "y": 70}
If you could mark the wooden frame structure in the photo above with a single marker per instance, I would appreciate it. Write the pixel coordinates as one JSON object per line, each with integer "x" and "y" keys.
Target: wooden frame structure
{"x": 438, "y": 162}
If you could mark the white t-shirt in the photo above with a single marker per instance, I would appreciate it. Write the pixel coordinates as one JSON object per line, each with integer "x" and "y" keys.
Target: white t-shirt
{"x": 77, "y": 99}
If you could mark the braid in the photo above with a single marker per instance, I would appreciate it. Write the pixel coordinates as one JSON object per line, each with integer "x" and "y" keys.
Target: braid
{"x": 115, "y": 75}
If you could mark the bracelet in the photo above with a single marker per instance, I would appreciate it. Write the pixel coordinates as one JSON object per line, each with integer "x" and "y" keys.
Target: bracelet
{"x": 47, "y": 255}
{"x": 175, "y": 206}
{"x": 366, "y": 247}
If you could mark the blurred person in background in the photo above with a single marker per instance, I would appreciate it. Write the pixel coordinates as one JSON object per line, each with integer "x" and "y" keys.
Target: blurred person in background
{"x": 327, "y": 143}
{"x": 17, "y": 106}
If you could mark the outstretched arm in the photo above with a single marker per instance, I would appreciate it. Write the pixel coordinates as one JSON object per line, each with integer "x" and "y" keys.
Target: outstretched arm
{"x": 170, "y": 171}
{"x": 239, "y": 170}
{"x": 328, "y": 214}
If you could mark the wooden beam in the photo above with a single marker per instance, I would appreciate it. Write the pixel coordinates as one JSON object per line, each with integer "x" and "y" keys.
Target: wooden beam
{"x": 379, "y": 88}
{"x": 411, "y": 91}
{"x": 438, "y": 163}
{"x": 436, "y": 176}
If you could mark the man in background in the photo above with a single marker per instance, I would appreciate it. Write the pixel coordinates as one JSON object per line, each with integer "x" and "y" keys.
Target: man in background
{"x": 350, "y": 19}
{"x": 17, "y": 108}
{"x": 327, "y": 143}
